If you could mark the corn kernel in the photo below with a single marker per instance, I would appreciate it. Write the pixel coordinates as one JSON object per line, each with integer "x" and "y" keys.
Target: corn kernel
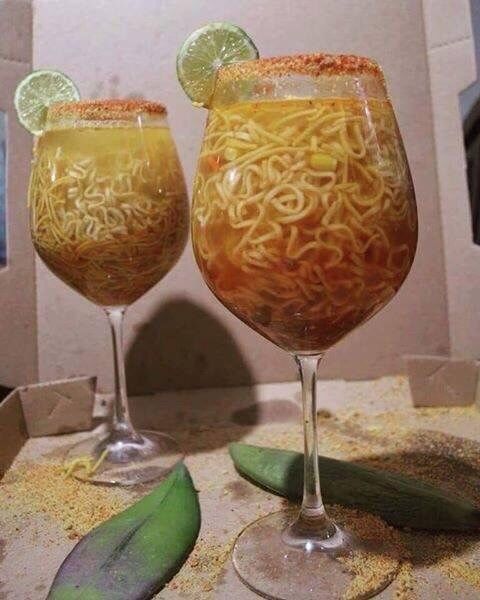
{"x": 230, "y": 153}
{"x": 323, "y": 162}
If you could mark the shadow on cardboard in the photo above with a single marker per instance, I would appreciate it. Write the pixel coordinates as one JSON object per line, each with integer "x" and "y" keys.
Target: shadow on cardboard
{"x": 184, "y": 347}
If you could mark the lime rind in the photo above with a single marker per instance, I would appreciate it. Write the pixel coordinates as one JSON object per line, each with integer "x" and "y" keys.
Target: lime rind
{"x": 37, "y": 92}
{"x": 207, "y": 49}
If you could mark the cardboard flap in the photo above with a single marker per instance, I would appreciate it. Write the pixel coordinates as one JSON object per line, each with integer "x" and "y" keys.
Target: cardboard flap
{"x": 58, "y": 406}
{"x": 13, "y": 430}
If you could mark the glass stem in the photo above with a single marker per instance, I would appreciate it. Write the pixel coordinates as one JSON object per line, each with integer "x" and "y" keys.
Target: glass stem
{"x": 122, "y": 425}
{"x": 313, "y": 522}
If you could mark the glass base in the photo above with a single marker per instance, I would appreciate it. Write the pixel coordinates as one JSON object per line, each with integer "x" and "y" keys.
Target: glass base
{"x": 127, "y": 460}
{"x": 340, "y": 569}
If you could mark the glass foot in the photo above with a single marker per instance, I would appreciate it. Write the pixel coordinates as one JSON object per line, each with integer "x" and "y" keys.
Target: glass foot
{"x": 145, "y": 456}
{"x": 344, "y": 568}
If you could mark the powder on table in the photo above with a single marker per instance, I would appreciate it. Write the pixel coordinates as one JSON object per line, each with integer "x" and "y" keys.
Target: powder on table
{"x": 203, "y": 569}
{"x": 456, "y": 569}
{"x": 42, "y": 487}
{"x": 371, "y": 571}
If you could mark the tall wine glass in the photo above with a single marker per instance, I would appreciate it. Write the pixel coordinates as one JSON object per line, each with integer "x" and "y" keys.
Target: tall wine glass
{"x": 304, "y": 225}
{"x": 109, "y": 216}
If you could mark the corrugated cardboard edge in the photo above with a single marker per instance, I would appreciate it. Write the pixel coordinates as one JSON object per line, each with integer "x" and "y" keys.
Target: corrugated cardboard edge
{"x": 13, "y": 430}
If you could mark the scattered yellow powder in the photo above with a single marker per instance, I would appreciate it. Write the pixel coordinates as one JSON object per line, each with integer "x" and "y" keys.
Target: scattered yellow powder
{"x": 203, "y": 569}
{"x": 455, "y": 569}
{"x": 372, "y": 571}
{"x": 42, "y": 488}
{"x": 372, "y": 574}
{"x": 404, "y": 586}
{"x": 452, "y": 412}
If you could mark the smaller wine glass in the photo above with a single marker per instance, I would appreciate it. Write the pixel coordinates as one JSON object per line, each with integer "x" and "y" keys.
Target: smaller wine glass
{"x": 109, "y": 217}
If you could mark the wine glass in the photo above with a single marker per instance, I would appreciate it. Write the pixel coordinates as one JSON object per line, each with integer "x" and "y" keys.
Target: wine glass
{"x": 304, "y": 225}
{"x": 109, "y": 216}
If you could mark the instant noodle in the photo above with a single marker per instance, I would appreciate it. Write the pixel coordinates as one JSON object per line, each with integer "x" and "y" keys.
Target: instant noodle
{"x": 304, "y": 218}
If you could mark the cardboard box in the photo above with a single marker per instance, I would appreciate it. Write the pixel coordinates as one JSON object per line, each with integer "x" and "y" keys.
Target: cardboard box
{"x": 58, "y": 407}
{"x": 441, "y": 381}
{"x": 178, "y": 335}
{"x": 45, "y": 409}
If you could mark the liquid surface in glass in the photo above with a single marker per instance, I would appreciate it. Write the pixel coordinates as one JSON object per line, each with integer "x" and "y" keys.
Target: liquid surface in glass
{"x": 108, "y": 209}
{"x": 304, "y": 219}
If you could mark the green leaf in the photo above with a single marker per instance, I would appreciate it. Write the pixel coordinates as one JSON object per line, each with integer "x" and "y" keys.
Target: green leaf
{"x": 132, "y": 555}
{"x": 400, "y": 500}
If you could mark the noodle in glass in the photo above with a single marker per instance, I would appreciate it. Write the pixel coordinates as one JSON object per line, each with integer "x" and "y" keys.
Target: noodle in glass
{"x": 108, "y": 209}
{"x": 303, "y": 221}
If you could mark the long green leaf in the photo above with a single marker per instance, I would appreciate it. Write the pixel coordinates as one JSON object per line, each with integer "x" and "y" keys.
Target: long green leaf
{"x": 132, "y": 555}
{"x": 400, "y": 500}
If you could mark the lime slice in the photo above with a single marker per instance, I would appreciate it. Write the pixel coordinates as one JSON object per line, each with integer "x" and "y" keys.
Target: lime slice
{"x": 204, "y": 51}
{"x": 36, "y": 92}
